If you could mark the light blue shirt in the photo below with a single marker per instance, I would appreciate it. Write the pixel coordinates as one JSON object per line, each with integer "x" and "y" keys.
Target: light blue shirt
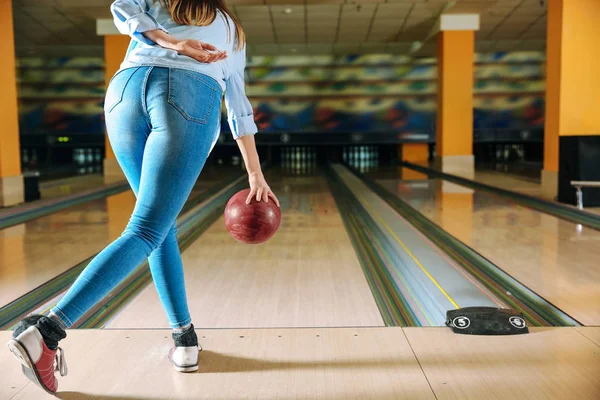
{"x": 134, "y": 17}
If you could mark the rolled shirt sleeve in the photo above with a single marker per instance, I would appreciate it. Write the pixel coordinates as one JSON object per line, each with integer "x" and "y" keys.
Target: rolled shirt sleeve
{"x": 240, "y": 115}
{"x": 132, "y": 18}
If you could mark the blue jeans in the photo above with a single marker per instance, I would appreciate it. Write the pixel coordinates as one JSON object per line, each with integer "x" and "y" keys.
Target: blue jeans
{"x": 162, "y": 124}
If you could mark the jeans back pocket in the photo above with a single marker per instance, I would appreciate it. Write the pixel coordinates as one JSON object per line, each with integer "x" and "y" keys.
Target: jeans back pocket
{"x": 116, "y": 87}
{"x": 192, "y": 95}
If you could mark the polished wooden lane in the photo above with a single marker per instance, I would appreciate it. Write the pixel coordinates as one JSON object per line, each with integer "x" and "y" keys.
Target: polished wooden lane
{"x": 307, "y": 275}
{"x": 521, "y": 185}
{"x": 66, "y": 186}
{"x": 498, "y": 179}
{"x": 510, "y": 182}
{"x": 38, "y": 250}
{"x": 555, "y": 258}
{"x": 323, "y": 363}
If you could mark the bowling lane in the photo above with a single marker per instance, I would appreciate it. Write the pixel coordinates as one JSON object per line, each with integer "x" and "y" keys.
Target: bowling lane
{"x": 510, "y": 182}
{"x": 553, "y": 257}
{"x": 306, "y": 276}
{"x": 62, "y": 187}
{"x": 38, "y": 250}
{"x": 498, "y": 179}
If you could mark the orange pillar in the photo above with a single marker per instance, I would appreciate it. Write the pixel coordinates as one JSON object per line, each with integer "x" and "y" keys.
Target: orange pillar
{"x": 115, "y": 47}
{"x": 454, "y": 127}
{"x": 11, "y": 180}
{"x": 572, "y": 79}
{"x": 416, "y": 153}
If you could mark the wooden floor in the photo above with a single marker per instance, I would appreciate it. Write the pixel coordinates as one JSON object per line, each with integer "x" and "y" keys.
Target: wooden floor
{"x": 553, "y": 257}
{"x": 325, "y": 363}
{"x": 592, "y": 333}
{"x": 307, "y": 275}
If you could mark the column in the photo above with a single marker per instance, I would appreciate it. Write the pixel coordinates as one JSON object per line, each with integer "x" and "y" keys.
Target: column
{"x": 572, "y": 80}
{"x": 11, "y": 180}
{"x": 454, "y": 127}
{"x": 415, "y": 153}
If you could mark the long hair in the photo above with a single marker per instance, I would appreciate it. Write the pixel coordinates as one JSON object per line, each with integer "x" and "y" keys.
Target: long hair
{"x": 203, "y": 13}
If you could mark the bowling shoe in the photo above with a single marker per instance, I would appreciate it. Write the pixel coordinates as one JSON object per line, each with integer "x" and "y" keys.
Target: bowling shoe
{"x": 39, "y": 362}
{"x": 184, "y": 354}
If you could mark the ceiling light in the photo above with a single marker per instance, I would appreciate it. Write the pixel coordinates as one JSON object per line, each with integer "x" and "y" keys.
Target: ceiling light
{"x": 287, "y": 10}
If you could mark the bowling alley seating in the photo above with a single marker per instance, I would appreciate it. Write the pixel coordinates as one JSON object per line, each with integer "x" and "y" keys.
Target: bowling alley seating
{"x": 578, "y": 169}
{"x": 579, "y": 185}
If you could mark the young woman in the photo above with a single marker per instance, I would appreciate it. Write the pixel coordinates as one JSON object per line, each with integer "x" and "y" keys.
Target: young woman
{"x": 163, "y": 111}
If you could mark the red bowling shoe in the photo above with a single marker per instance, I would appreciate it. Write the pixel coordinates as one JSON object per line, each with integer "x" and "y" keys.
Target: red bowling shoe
{"x": 38, "y": 362}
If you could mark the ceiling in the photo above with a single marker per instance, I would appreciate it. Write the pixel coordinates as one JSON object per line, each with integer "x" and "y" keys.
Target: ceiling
{"x": 274, "y": 27}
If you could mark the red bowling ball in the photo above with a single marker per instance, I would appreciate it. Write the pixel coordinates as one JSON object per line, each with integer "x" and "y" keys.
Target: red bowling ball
{"x": 251, "y": 223}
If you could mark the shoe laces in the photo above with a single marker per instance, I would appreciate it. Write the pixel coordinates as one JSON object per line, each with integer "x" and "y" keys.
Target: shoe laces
{"x": 60, "y": 364}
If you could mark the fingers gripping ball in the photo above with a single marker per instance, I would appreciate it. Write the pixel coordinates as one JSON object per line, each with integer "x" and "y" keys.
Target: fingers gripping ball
{"x": 251, "y": 223}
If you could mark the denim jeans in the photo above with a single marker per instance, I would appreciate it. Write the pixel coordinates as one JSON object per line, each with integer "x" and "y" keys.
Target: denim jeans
{"x": 162, "y": 124}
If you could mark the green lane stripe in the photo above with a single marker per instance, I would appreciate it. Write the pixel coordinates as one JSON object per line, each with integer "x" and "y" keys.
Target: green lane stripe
{"x": 537, "y": 310}
{"x": 366, "y": 239}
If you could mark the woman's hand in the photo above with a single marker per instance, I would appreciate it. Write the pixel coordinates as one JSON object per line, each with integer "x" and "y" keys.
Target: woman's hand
{"x": 260, "y": 189}
{"x": 199, "y": 51}
{"x": 196, "y": 49}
